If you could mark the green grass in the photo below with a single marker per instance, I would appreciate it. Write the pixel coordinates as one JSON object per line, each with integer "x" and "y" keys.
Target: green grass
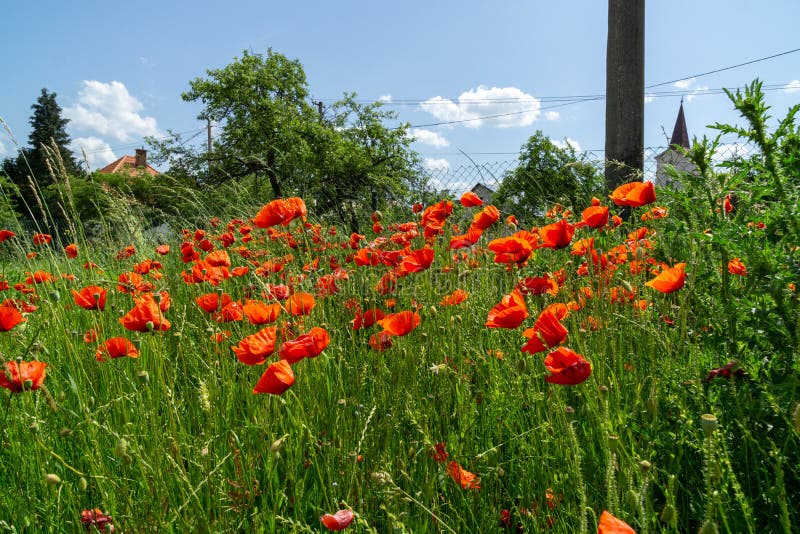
{"x": 175, "y": 440}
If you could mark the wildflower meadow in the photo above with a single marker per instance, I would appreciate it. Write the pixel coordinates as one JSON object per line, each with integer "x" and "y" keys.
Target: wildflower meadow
{"x": 628, "y": 365}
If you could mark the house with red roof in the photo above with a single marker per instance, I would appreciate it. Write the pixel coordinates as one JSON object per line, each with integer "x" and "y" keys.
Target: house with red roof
{"x": 131, "y": 165}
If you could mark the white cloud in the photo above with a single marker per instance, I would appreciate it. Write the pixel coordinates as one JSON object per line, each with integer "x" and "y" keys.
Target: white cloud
{"x": 98, "y": 152}
{"x": 684, "y": 84}
{"x": 792, "y": 87}
{"x": 552, "y": 115}
{"x": 649, "y": 98}
{"x": 3, "y": 150}
{"x": 109, "y": 109}
{"x": 506, "y": 107}
{"x": 568, "y": 142}
{"x": 427, "y": 137}
{"x": 386, "y": 99}
{"x": 696, "y": 92}
{"x": 436, "y": 164}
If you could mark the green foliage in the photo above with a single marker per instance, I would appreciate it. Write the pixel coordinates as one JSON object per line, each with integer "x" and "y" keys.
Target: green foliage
{"x": 547, "y": 175}
{"x": 344, "y": 158}
{"x": 259, "y": 103}
{"x": 48, "y": 155}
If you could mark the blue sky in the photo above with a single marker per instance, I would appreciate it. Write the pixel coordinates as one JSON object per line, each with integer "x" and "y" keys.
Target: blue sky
{"x": 119, "y": 68}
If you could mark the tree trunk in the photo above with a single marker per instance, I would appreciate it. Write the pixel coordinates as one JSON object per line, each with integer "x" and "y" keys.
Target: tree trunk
{"x": 624, "y": 92}
{"x": 272, "y": 174}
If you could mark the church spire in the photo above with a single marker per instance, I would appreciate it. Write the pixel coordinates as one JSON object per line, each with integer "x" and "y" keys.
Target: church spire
{"x": 680, "y": 135}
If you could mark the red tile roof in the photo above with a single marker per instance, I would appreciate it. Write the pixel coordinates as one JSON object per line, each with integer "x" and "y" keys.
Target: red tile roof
{"x": 127, "y": 165}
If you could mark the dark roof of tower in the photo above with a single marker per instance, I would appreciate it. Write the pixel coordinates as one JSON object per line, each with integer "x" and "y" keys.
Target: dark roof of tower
{"x": 680, "y": 135}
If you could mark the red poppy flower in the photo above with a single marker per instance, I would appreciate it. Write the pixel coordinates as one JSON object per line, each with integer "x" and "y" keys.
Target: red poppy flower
{"x": 401, "y": 323}
{"x": 96, "y": 518}
{"x": 219, "y": 258}
{"x": 470, "y": 199}
{"x": 557, "y": 235}
{"x": 546, "y": 332}
{"x": 485, "y": 218}
{"x": 417, "y": 261}
{"x": 439, "y": 453}
{"x": 9, "y": 318}
{"x": 41, "y": 239}
{"x": 595, "y": 216}
{"x": 463, "y": 478}
{"x": 116, "y": 347}
{"x": 509, "y": 312}
{"x": 300, "y": 304}
{"x": 280, "y": 211}
{"x": 39, "y": 277}
{"x": 90, "y": 298}
{"x": 21, "y": 376}
{"x": 131, "y": 282}
{"x": 727, "y": 206}
{"x": 230, "y": 312}
{"x": 368, "y": 318}
{"x": 669, "y": 280}
{"x": 538, "y": 285}
{"x": 735, "y": 266}
{"x": 254, "y": 349}
{"x": 567, "y": 367}
{"x": 511, "y": 249}
{"x": 308, "y": 345}
{"x": 338, "y": 521}
{"x": 162, "y": 250}
{"x": 466, "y": 240}
{"x": 71, "y": 251}
{"x": 380, "y": 341}
{"x": 634, "y": 194}
{"x": 146, "y": 316}
{"x": 259, "y": 313}
{"x": 6, "y": 234}
{"x": 436, "y": 213}
{"x": 211, "y": 302}
{"x": 456, "y": 297}
{"x": 611, "y": 525}
{"x": 276, "y": 379}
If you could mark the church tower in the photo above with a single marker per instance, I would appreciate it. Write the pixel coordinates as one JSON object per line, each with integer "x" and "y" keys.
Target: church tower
{"x": 672, "y": 155}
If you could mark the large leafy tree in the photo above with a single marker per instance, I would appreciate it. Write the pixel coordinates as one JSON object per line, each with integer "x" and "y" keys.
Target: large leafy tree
{"x": 260, "y": 103}
{"x": 547, "y": 174}
{"x": 359, "y": 163}
{"x": 47, "y": 152}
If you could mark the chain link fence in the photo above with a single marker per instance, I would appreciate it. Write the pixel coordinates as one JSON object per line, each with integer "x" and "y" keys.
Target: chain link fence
{"x": 486, "y": 177}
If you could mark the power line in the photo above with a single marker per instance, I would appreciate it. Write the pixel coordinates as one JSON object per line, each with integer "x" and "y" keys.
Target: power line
{"x": 725, "y": 68}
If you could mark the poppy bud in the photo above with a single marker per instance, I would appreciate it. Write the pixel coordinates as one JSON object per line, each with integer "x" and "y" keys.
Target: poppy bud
{"x": 668, "y": 514}
{"x": 143, "y": 376}
{"x": 150, "y": 326}
{"x": 277, "y": 445}
{"x": 709, "y": 527}
{"x": 121, "y": 447}
{"x": 645, "y": 466}
{"x": 65, "y": 432}
{"x": 709, "y": 423}
{"x": 613, "y": 442}
{"x": 627, "y": 285}
{"x": 27, "y": 385}
{"x": 52, "y": 479}
{"x": 55, "y": 295}
{"x": 34, "y": 428}
{"x": 83, "y": 484}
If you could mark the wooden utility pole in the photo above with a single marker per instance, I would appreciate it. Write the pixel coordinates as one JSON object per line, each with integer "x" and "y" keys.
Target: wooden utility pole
{"x": 624, "y": 92}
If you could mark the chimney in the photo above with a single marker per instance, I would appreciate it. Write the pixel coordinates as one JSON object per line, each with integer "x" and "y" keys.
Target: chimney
{"x": 141, "y": 158}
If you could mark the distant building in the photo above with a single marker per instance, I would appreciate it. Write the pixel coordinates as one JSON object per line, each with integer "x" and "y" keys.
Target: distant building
{"x": 483, "y": 192}
{"x": 131, "y": 165}
{"x": 672, "y": 155}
